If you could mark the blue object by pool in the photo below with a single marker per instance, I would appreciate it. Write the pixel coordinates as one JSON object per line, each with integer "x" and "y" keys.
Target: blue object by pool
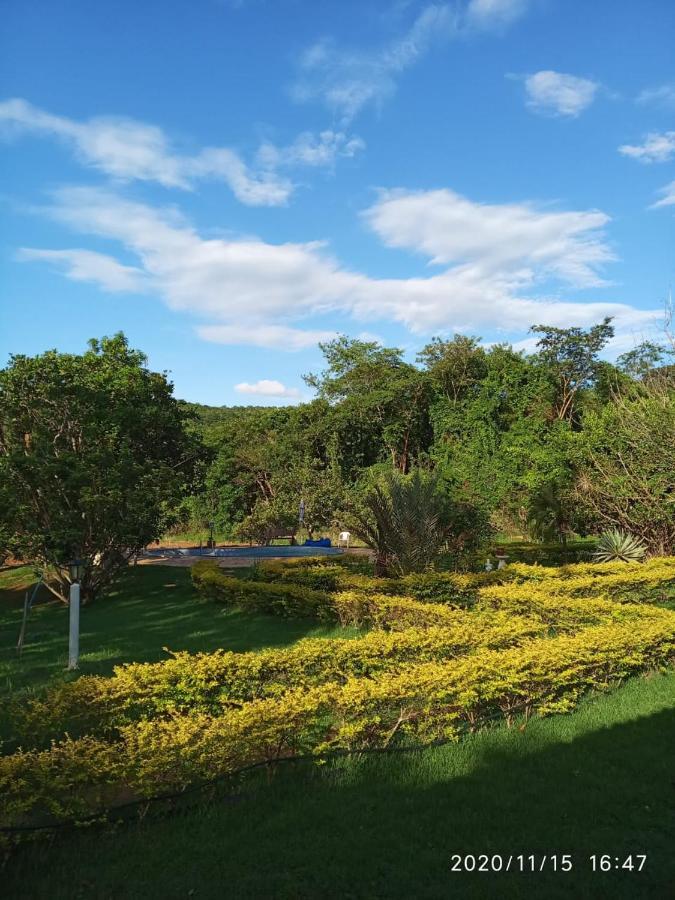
{"x": 315, "y": 550}
{"x": 321, "y": 542}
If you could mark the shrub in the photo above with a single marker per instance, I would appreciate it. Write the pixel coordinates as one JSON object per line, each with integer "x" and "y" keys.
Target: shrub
{"x": 426, "y": 702}
{"x": 203, "y": 682}
{"x": 279, "y": 599}
{"x": 619, "y": 545}
{"x": 653, "y": 582}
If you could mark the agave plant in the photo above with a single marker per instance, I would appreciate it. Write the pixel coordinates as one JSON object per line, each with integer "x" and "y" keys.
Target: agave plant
{"x": 618, "y": 545}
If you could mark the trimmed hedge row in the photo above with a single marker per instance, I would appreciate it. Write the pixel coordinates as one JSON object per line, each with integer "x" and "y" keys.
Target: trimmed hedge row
{"x": 205, "y": 682}
{"x": 451, "y": 587}
{"x": 209, "y": 682}
{"x": 423, "y": 703}
{"x": 285, "y": 599}
{"x": 653, "y": 582}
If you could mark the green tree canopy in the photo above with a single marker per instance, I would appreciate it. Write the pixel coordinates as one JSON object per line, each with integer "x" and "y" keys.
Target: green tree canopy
{"x": 570, "y": 355}
{"x": 626, "y": 465}
{"x": 93, "y": 451}
{"x": 378, "y": 393}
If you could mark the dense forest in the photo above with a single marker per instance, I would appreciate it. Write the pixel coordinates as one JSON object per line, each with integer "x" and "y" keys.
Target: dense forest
{"x": 553, "y": 443}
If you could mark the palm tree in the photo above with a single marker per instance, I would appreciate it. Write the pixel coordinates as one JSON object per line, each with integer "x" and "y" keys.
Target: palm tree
{"x": 404, "y": 519}
{"x": 550, "y": 515}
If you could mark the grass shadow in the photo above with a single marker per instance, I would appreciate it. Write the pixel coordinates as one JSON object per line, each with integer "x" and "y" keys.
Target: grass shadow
{"x": 598, "y": 781}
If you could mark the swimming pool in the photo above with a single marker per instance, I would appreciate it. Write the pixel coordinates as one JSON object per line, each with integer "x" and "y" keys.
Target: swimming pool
{"x": 244, "y": 551}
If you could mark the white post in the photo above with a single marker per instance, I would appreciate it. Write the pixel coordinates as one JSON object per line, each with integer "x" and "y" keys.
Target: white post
{"x": 74, "y": 637}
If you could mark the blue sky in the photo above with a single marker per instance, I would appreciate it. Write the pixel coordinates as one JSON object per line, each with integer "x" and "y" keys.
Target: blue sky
{"x": 231, "y": 181}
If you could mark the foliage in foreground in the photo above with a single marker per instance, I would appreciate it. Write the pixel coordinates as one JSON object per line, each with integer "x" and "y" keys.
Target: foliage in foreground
{"x": 423, "y": 703}
{"x": 156, "y": 728}
{"x": 548, "y": 780}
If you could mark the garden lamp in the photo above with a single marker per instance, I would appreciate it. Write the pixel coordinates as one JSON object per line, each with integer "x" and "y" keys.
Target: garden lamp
{"x": 76, "y": 570}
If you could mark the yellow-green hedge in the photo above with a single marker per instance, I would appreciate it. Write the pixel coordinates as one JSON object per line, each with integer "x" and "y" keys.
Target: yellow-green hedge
{"x": 423, "y": 703}
{"x": 652, "y": 581}
{"x": 208, "y": 682}
{"x": 286, "y": 599}
{"x": 562, "y": 600}
{"x": 452, "y": 588}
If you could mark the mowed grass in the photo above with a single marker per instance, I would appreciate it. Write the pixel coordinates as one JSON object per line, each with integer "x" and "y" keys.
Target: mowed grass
{"x": 149, "y": 608}
{"x": 596, "y": 781}
{"x": 600, "y": 780}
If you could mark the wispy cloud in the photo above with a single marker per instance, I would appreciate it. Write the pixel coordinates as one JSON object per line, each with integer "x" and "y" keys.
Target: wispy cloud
{"x": 86, "y": 265}
{"x": 348, "y": 80}
{"x": 260, "y": 334}
{"x": 491, "y": 14}
{"x": 498, "y": 263}
{"x": 558, "y": 94}
{"x": 128, "y": 150}
{"x": 663, "y": 95}
{"x": 657, "y": 147}
{"x": 310, "y": 149}
{"x": 266, "y": 388}
{"x": 449, "y": 228}
{"x": 667, "y": 196}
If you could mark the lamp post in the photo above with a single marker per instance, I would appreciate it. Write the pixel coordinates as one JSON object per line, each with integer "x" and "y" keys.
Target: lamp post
{"x": 76, "y": 569}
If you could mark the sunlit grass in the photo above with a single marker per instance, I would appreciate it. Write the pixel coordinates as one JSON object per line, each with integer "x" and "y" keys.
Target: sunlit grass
{"x": 148, "y": 609}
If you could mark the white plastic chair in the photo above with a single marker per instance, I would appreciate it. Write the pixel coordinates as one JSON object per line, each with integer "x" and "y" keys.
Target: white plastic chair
{"x": 344, "y": 538}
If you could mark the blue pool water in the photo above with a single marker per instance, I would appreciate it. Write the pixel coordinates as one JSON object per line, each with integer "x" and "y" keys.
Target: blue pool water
{"x": 246, "y": 551}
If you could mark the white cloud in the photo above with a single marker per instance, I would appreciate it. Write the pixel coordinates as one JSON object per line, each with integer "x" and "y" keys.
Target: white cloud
{"x": 449, "y": 228}
{"x": 495, "y": 13}
{"x": 86, "y": 265}
{"x": 310, "y": 149}
{"x": 249, "y": 291}
{"x": 663, "y": 95}
{"x": 558, "y": 94}
{"x": 129, "y": 150}
{"x": 348, "y": 80}
{"x": 265, "y": 388}
{"x": 657, "y": 147}
{"x": 667, "y": 196}
{"x": 258, "y": 334}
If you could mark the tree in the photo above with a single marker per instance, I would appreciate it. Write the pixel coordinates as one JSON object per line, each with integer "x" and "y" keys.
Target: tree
{"x": 494, "y": 443}
{"x": 571, "y": 356}
{"x": 642, "y": 359}
{"x": 551, "y": 513}
{"x": 456, "y": 367}
{"x": 409, "y": 519}
{"x": 93, "y": 453}
{"x": 625, "y": 463}
{"x": 377, "y": 392}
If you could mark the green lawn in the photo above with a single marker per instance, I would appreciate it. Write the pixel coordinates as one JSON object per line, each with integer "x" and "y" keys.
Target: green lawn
{"x": 599, "y": 780}
{"x": 149, "y": 608}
